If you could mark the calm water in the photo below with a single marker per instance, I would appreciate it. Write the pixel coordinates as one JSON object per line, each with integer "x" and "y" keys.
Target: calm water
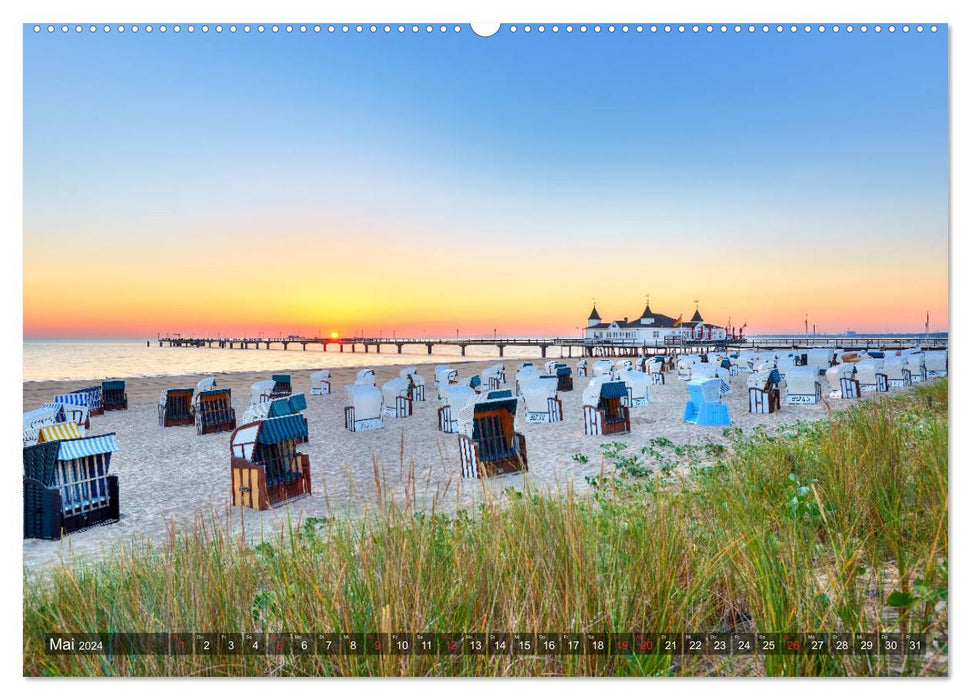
{"x": 96, "y": 359}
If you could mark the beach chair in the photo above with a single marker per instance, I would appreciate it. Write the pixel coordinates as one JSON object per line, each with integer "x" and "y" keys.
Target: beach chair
{"x": 320, "y": 382}
{"x": 444, "y": 375}
{"x": 113, "y": 395}
{"x": 764, "y": 395}
{"x": 494, "y": 377}
{"x": 67, "y": 486}
{"x": 935, "y": 363}
{"x": 75, "y": 408}
{"x": 489, "y": 444}
{"x": 38, "y": 418}
{"x": 175, "y": 408}
{"x": 454, "y": 398}
{"x": 728, "y": 363}
{"x": 602, "y": 368}
{"x": 416, "y": 388}
{"x": 915, "y": 364}
{"x": 541, "y": 402}
{"x": 802, "y": 385}
{"x": 711, "y": 370}
{"x": 266, "y": 468}
{"x": 604, "y": 412}
{"x": 261, "y": 391}
{"x": 564, "y": 378}
{"x": 870, "y": 375}
{"x": 397, "y": 398}
{"x": 823, "y": 358}
{"x": 526, "y": 373}
{"x": 205, "y": 384}
{"x": 843, "y": 383}
{"x": 583, "y": 367}
{"x": 95, "y": 402}
{"x": 686, "y": 365}
{"x": 214, "y": 412}
{"x": 638, "y": 388}
{"x": 704, "y": 406}
{"x": 654, "y": 368}
{"x": 784, "y": 364}
{"x": 622, "y": 366}
{"x": 60, "y": 431}
{"x": 895, "y": 367}
{"x": 281, "y": 386}
{"x": 364, "y": 407}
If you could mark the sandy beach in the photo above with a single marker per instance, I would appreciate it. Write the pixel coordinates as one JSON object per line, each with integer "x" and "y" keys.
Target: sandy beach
{"x": 172, "y": 475}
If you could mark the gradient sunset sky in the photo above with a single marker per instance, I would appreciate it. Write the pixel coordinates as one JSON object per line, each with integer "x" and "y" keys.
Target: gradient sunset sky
{"x": 428, "y": 183}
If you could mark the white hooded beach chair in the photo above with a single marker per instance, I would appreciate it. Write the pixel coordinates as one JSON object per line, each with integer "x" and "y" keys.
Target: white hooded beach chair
{"x": 603, "y": 368}
{"x": 320, "y": 382}
{"x": 261, "y": 391}
{"x": 895, "y": 367}
{"x": 363, "y": 407}
{"x": 454, "y": 398}
{"x": 40, "y": 418}
{"x": 524, "y": 374}
{"x": 935, "y": 362}
{"x": 488, "y": 442}
{"x": 784, "y": 364}
{"x": 494, "y": 377}
{"x": 871, "y": 376}
{"x": 802, "y": 385}
{"x": 764, "y": 393}
{"x": 365, "y": 377}
{"x": 604, "y": 412}
{"x": 71, "y": 412}
{"x": 444, "y": 376}
{"x": 417, "y": 389}
{"x": 915, "y": 364}
{"x": 821, "y": 357}
{"x": 686, "y": 364}
{"x": 76, "y": 407}
{"x": 207, "y": 384}
{"x": 842, "y": 380}
{"x": 623, "y": 366}
{"x": 583, "y": 367}
{"x": 541, "y": 402}
{"x": 397, "y": 398}
{"x": 638, "y": 388}
{"x": 711, "y": 370}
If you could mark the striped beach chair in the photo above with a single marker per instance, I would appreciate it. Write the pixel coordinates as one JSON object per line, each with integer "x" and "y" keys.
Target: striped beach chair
{"x": 281, "y": 386}
{"x": 764, "y": 395}
{"x": 266, "y": 468}
{"x": 95, "y": 402}
{"x": 492, "y": 446}
{"x": 38, "y": 418}
{"x": 75, "y": 407}
{"x": 113, "y": 395}
{"x": 175, "y": 408}
{"x": 67, "y": 486}
{"x": 214, "y": 412}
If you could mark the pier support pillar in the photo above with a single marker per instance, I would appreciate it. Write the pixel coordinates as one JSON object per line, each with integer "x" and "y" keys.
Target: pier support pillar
{"x": 428, "y": 346}
{"x": 542, "y": 349}
{"x": 366, "y": 347}
{"x": 463, "y": 350}
{"x": 399, "y": 348}
{"x": 502, "y": 349}
{"x": 341, "y": 346}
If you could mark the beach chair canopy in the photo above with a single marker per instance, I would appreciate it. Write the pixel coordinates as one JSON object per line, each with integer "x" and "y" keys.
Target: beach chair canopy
{"x": 320, "y": 374}
{"x": 207, "y": 384}
{"x": 112, "y": 385}
{"x": 73, "y": 399}
{"x": 821, "y": 357}
{"x": 764, "y": 378}
{"x": 915, "y": 362}
{"x": 603, "y": 388}
{"x": 445, "y": 375}
{"x": 704, "y": 390}
{"x": 527, "y": 373}
{"x": 866, "y": 370}
{"x": 365, "y": 377}
{"x": 39, "y": 417}
{"x": 563, "y": 371}
{"x": 69, "y": 412}
{"x": 270, "y": 432}
{"x": 802, "y": 380}
{"x": 537, "y": 391}
{"x": 458, "y": 396}
{"x": 86, "y": 447}
{"x": 637, "y": 382}
{"x": 281, "y": 378}
{"x": 60, "y": 431}
{"x": 392, "y": 389}
{"x": 365, "y": 399}
{"x": 894, "y": 365}
{"x": 601, "y": 367}
{"x": 836, "y": 372}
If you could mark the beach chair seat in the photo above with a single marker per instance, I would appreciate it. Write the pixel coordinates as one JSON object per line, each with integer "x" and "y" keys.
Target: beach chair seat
{"x": 175, "y": 408}
{"x": 214, "y": 412}
{"x": 704, "y": 405}
{"x": 113, "y": 395}
{"x": 320, "y": 382}
{"x": 604, "y": 412}
{"x": 266, "y": 468}
{"x": 364, "y": 407}
{"x": 281, "y": 386}
{"x": 764, "y": 394}
{"x": 492, "y": 447}
{"x": 67, "y": 487}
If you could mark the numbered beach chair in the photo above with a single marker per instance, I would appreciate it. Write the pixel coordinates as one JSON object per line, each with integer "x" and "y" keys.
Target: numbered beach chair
{"x": 583, "y": 367}
{"x": 935, "y": 363}
{"x": 113, "y": 395}
{"x": 704, "y": 406}
{"x": 842, "y": 380}
{"x": 802, "y": 385}
{"x": 871, "y": 376}
{"x": 494, "y": 377}
{"x": 541, "y": 402}
{"x": 416, "y": 383}
{"x": 638, "y": 388}
{"x": 75, "y": 407}
{"x": 214, "y": 412}
{"x": 364, "y": 407}
{"x": 895, "y": 367}
{"x": 604, "y": 412}
{"x": 175, "y": 408}
{"x": 489, "y": 444}
{"x": 320, "y": 382}
{"x": 397, "y": 399}
{"x": 67, "y": 486}
{"x": 266, "y": 468}
{"x": 764, "y": 394}
{"x": 454, "y": 399}
{"x": 281, "y": 386}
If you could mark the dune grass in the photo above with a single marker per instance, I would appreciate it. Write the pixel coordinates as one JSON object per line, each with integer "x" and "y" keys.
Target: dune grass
{"x": 838, "y": 525}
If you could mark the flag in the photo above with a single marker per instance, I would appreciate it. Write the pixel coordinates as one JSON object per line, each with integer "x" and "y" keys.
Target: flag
{"x": 678, "y": 322}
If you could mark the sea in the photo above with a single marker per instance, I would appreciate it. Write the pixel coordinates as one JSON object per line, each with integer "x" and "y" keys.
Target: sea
{"x": 48, "y": 360}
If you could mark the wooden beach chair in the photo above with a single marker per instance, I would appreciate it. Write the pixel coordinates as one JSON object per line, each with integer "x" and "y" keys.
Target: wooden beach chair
{"x": 843, "y": 383}
{"x": 266, "y": 468}
{"x": 603, "y": 368}
{"x": 95, "y": 402}
{"x": 396, "y": 394}
{"x": 67, "y": 486}
{"x": 870, "y": 375}
{"x": 75, "y": 408}
{"x": 604, "y": 412}
{"x": 320, "y": 382}
{"x": 175, "y": 408}
{"x": 416, "y": 388}
{"x": 583, "y": 367}
{"x": 494, "y": 377}
{"x": 525, "y": 374}
{"x": 541, "y": 402}
{"x": 113, "y": 395}
{"x": 454, "y": 398}
{"x": 214, "y": 412}
{"x": 366, "y": 377}
{"x": 281, "y": 386}
{"x": 492, "y": 446}
{"x": 802, "y": 385}
{"x": 764, "y": 395}
{"x": 364, "y": 407}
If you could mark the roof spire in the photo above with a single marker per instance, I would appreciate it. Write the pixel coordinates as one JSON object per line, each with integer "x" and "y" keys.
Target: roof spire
{"x": 647, "y": 307}
{"x": 594, "y": 316}
{"x": 697, "y": 317}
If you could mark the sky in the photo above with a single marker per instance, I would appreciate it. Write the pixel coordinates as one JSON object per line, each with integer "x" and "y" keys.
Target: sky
{"x": 442, "y": 183}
